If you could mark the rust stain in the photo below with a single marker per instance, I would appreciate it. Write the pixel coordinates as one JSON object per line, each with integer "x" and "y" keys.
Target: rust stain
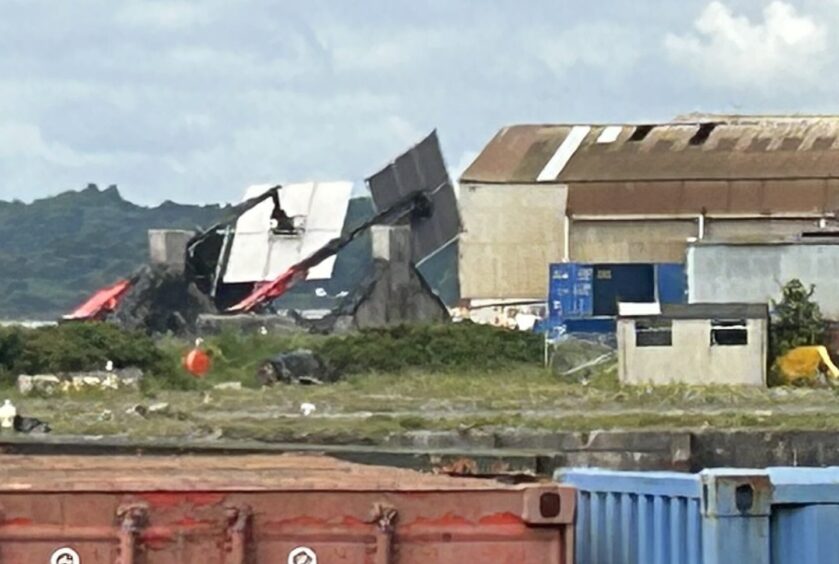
{"x": 191, "y": 522}
{"x": 17, "y": 521}
{"x": 722, "y": 164}
{"x": 447, "y": 520}
{"x": 174, "y": 499}
{"x": 505, "y": 518}
{"x": 353, "y": 522}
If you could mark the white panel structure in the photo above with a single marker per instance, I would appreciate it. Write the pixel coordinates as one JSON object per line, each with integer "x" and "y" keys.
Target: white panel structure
{"x": 563, "y": 153}
{"x": 610, "y": 134}
{"x": 318, "y": 210}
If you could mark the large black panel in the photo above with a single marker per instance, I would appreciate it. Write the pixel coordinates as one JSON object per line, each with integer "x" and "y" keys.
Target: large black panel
{"x": 420, "y": 169}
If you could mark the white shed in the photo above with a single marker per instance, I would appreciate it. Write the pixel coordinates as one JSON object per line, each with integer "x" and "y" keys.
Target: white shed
{"x": 696, "y": 344}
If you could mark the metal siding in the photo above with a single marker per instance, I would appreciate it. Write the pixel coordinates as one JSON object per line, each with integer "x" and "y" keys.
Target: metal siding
{"x": 805, "y": 517}
{"x": 569, "y": 292}
{"x": 420, "y": 169}
{"x": 805, "y": 534}
{"x": 233, "y": 510}
{"x": 660, "y": 517}
{"x": 621, "y": 282}
{"x": 520, "y": 153}
{"x": 671, "y": 283}
{"x": 605, "y": 325}
{"x": 636, "y": 517}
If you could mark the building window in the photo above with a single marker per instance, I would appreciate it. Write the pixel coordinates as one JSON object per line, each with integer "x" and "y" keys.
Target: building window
{"x": 654, "y": 333}
{"x": 729, "y": 332}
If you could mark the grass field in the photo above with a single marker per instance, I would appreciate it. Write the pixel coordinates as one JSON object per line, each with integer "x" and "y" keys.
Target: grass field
{"x": 367, "y": 408}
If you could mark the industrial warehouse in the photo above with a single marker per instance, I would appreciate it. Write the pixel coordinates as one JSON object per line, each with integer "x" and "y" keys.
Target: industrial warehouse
{"x": 703, "y": 209}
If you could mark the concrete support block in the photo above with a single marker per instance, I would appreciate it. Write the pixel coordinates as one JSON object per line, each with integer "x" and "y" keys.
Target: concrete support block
{"x": 168, "y": 246}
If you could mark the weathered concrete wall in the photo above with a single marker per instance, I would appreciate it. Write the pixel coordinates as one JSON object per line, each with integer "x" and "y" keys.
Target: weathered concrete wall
{"x": 630, "y": 240}
{"x": 213, "y": 324}
{"x": 168, "y": 246}
{"x": 756, "y": 272}
{"x": 511, "y": 234}
{"x": 393, "y": 294}
{"x": 691, "y": 359}
{"x": 750, "y": 228}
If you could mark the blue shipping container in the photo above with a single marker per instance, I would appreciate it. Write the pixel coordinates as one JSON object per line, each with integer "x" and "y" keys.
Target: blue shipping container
{"x": 579, "y": 291}
{"x": 569, "y": 292}
{"x": 774, "y": 516}
{"x": 671, "y": 284}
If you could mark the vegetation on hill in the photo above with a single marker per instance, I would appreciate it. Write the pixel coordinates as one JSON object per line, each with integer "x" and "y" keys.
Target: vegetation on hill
{"x": 57, "y": 250}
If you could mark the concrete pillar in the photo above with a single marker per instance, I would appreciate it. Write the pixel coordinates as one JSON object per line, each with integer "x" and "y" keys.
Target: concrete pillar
{"x": 393, "y": 244}
{"x": 168, "y": 246}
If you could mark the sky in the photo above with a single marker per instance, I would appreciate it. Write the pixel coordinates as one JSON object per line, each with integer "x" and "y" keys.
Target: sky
{"x": 194, "y": 101}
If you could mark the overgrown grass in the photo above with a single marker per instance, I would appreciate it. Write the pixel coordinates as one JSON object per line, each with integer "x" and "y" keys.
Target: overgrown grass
{"x": 236, "y": 357}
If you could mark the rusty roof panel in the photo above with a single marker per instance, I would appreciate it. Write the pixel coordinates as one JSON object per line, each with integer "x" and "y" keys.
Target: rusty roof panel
{"x": 733, "y": 148}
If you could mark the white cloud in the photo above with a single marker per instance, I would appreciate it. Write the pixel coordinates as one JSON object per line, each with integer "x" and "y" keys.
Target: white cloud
{"x": 783, "y": 50}
{"x": 162, "y": 14}
{"x": 612, "y": 49}
{"x": 25, "y": 141}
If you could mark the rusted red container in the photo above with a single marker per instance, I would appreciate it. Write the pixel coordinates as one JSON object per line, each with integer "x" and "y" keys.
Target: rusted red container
{"x": 271, "y": 509}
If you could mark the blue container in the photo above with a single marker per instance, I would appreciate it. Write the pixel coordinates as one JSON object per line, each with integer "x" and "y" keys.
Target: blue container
{"x": 569, "y": 292}
{"x": 714, "y": 517}
{"x": 774, "y": 516}
{"x": 671, "y": 284}
{"x": 805, "y": 515}
{"x": 581, "y": 291}
{"x": 615, "y": 283}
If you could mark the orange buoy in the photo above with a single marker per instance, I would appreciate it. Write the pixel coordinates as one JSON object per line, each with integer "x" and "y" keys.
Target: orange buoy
{"x": 197, "y": 362}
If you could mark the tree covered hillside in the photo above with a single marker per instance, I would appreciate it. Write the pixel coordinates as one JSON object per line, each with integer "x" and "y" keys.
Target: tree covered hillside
{"x": 57, "y": 250}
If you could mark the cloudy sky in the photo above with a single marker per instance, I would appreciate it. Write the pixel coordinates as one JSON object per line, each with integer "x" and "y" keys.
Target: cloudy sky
{"x": 193, "y": 101}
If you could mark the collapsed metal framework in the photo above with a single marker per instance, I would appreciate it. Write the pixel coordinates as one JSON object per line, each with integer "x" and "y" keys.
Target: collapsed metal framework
{"x": 415, "y": 187}
{"x": 418, "y": 205}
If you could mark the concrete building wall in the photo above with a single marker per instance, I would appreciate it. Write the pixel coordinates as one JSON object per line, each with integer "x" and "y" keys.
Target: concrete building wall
{"x": 647, "y": 240}
{"x": 719, "y": 273}
{"x": 763, "y": 228}
{"x": 691, "y": 359}
{"x": 511, "y": 233}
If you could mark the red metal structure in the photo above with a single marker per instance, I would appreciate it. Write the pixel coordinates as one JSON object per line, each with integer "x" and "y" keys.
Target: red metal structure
{"x": 101, "y": 303}
{"x": 289, "y": 508}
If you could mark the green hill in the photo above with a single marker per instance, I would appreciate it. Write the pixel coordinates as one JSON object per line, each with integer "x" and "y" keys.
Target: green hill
{"x": 56, "y": 251}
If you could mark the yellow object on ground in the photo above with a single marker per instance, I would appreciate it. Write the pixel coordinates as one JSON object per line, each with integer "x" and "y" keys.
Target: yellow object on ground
{"x": 803, "y": 363}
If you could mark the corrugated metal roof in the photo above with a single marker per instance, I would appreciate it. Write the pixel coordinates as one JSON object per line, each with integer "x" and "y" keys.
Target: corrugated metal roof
{"x": 698, "y": 147}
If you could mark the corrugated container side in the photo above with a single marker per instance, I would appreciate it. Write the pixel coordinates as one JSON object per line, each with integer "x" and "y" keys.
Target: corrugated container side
{"x": 670, "y": 518}
{"x": 805, "y": 516}
{"x": 635, "y": 517}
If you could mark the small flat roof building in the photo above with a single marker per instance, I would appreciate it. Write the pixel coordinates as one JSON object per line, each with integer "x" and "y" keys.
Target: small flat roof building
{"x": 695, "y": 344}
